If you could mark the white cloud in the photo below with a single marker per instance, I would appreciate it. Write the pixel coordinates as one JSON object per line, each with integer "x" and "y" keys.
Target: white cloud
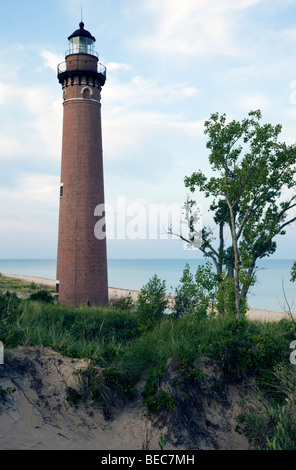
{"x": 133, "y": 119}
{"x": 198, "y": 27}
{"x": 30, "y": 206}
{"x": 140, "y": 90}
{"x": 115, "y": 66}
{"x": 51, "y": 60}
{"x": 39, "y": 129}
{"x": 9, "y": 147}
{"x": 255, "y": 101}
{"x": 190, "y": 91}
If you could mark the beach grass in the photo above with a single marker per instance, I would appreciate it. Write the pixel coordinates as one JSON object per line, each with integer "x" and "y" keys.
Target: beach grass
{"x": 20, "y": 287}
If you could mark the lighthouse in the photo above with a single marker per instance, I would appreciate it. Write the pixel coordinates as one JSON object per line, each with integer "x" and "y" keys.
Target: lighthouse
{"x": 82, "y": 257}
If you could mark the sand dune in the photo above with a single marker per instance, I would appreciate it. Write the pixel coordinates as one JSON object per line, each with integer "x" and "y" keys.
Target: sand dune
{"x": 38, "y": 416}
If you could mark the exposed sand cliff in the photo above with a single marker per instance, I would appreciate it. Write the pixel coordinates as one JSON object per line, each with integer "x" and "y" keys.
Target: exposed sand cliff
{"x": 37, "y": 415}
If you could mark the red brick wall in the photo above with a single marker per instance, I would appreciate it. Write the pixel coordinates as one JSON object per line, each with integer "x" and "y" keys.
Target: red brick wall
{"x": 82, "y": 259}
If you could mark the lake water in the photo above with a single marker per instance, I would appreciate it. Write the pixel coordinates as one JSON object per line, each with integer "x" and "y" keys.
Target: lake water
{"x": 134, "y": 273}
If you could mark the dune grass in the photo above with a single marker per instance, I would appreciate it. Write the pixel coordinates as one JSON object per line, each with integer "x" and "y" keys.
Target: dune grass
{"x": 21, "y": 288}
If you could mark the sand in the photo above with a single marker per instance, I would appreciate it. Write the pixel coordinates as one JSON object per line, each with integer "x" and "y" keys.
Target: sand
{"x": 38, "y": 416}
{"x": 114, "y": 292}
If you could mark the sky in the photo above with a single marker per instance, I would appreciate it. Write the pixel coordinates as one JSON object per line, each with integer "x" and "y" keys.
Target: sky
{"x": 170, "y": 65}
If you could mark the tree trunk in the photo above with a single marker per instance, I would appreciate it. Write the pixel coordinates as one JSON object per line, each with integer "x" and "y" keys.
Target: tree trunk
{"x": 236, "y": 285}
{"x": 236, "y": 262}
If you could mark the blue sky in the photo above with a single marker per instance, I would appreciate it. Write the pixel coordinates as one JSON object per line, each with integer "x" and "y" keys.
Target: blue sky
{"x": 170, "y": 65}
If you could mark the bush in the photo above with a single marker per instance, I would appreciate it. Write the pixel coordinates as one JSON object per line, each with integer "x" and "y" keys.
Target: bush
{"x": 242, "y": 346}
{"x": 226, "y": 298}
{"x": 196, "y": 294}
{"x": 11, "y": 309}
{"x": 155, "y": 399}
{"x": 152, "y": 303}
{"x": 122, "y": 303}
{"x": 269, "y": 419}
{"x": 42, "y": 296}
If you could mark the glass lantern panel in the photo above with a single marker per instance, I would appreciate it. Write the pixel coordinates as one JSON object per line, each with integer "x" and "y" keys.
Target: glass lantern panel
{"x": 81, "y": 45}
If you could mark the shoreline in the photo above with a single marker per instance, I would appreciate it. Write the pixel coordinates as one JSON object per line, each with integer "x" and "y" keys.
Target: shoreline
{"x": 253, "y": 314}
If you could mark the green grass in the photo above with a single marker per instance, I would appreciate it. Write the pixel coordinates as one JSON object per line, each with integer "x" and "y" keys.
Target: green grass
{"x": 21, "y": 288}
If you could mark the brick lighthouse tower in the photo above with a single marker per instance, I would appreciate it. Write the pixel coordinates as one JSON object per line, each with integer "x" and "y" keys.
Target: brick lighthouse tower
{"x": 82, "y": 259}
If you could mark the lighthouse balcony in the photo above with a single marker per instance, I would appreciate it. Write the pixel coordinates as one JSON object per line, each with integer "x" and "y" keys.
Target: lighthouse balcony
{"x": 81, "y": 67}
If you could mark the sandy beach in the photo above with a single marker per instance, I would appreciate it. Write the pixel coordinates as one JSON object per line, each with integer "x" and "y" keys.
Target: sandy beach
{"x": 114, "y": 292}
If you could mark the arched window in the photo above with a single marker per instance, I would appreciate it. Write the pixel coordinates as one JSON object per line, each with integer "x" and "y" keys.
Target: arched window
{"x": 86, "y": 92}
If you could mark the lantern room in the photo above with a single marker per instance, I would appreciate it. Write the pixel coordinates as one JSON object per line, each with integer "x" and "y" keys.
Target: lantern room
{"x": 81, "y": 41}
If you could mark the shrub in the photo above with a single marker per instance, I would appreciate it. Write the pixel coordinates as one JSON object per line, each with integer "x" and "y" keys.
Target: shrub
{"x": 151, "y": 303}
{"x": 269, "y": 419}
{"x": 11, "y": 309}
{"x": 226, "y": 298}
{"x": 196, "y": 294}
{"x": 155, "y": 399}
{"x": 122, "y": 303}
{"x": 42, "y": 296}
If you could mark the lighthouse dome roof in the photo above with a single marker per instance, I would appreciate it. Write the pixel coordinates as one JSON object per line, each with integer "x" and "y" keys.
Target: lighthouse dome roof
{"x": 81, "y": 32}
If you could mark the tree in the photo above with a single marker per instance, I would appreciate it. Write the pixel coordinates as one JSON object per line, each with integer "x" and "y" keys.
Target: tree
{"x": 151, "y": 303}
{"x": 196, "y": 294}
{"x": 252, "y": 192}
{"x": 293, "y": 273}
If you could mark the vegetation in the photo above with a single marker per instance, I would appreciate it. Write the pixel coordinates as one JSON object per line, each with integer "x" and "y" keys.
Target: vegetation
{"x": 21, "y": 288}
{"x": 252, "y": 193}
{"x": 128, "y": 341}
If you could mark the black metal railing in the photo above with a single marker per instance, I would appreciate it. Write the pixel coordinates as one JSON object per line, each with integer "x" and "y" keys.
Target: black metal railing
{"x": 82, "y": 50}
{"x": 101, "y": 69}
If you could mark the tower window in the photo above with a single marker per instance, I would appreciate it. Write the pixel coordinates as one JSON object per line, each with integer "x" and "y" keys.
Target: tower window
{"x": 61, "y": 190}
{"x": 87, "y": 92}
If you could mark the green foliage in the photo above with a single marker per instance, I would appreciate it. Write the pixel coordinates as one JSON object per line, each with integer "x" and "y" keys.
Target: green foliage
{"x": 293, "y": 273}
{"x": 269, "y": 420}
{"x": 6, "y": 391}
{"x": 92, "y": 385}
{"x": 196, "y": 294}
{"x": 284, "y": 432}
{"x": 81, "y": 332}
{"x": 243, "y": 347}
{"x": 42, "y": 296}
{"x": 252, "y": 193}
{"x": 151, "y": 303}
{"x": 11, "y": 308}
{"x": 123, "y": 303}
{"x": 226, "y": 298}
{"x": 19, "y": 287}
{"x": 156, "y": 399}
{"x": 119, "y": 383}
{"x": 121, "y": 353}
{"x": 162, "y": 442}
{"x": 102, "y": 387}
{"x": 6, "y": 395}
{"x": 73, "y": 396}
